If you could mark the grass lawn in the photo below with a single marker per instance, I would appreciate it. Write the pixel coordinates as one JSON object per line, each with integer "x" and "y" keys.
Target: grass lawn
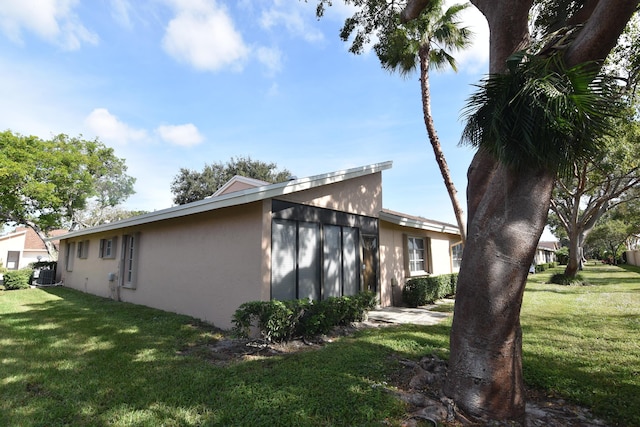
{"x": 67, "y": 358}
{"x": 582, "y": 343}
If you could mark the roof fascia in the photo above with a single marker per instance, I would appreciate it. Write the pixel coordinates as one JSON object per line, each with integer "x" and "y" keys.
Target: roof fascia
{"x": 422, "y": 225}
{"x": 234, "y": 199}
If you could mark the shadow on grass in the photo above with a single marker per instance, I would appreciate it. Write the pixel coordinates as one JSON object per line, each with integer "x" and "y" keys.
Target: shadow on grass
{"x": 82, "y": 360}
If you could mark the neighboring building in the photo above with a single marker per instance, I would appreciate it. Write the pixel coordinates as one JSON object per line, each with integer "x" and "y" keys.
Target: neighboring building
{"x": 315, "y": 237}
{"x": 23, "y": 246}
{"x": 546, "y": 252}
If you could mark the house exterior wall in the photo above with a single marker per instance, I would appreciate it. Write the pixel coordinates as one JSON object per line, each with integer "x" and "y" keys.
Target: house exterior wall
{"x": 22, "y": 242}
{"x": 393, "y": 257}
{"x": 633, "y": 257}
{"x": 207, "y": 264}
{"x": 361, "y": 196}
{"x": 204, "y": 265}
{"x": 12, "y": 243}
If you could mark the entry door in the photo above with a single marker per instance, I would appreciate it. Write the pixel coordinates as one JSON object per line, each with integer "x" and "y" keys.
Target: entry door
{"x": 370, "y": 263}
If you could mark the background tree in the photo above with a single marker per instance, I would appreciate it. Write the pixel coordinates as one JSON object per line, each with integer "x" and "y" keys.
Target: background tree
{"x": 422, "y": 44}
{"x": 607, "y": 239}
{"x": 190, "y": 185}
{"x": 508, "y": 197}
{"x": 46, "y": 183}
{"x": 95, "y": 213}
{"x": 595, "y": 186}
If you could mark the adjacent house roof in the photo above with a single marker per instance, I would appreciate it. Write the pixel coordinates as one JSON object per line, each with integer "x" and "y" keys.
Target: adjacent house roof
{"x": 417, "y": 222}
{"x": 238, "y": 183}
{"x": 31, "y": 240}
{"x": 548, "y": 245}
{"x": 241, "y": 197}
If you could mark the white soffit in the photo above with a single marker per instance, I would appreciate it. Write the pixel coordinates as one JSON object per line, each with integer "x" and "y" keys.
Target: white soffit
{"x": 236, "y": 198}
{"x": 417, "y": 222}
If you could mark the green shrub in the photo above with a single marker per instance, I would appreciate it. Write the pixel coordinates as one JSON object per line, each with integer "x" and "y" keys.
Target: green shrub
{"x": 562, "y": 255}
{"x": 561, "y": 279}
{"x": 542, "y": 267}
{"x": 284, "y": 320}
{"x": 426, "y": 290}
{"x": 17, "y": 279}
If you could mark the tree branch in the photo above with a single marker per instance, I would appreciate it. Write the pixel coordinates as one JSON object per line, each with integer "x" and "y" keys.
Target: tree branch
{"x": 601, "y": 31}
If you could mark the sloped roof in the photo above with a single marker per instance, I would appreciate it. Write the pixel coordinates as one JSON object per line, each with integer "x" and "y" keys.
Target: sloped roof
{"x": 238, "y": 180}
{"x": 238, "y": 198}
{"x": 548, "y": 245}
{"x": 419, "y": 222}
{"x": 31, "y": 240}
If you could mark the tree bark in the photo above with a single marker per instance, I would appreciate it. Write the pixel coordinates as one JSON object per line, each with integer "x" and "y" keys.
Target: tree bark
{"x": 485, "y": 366}
{"x": 507, "y": 214}
{"x": 435, "y": 142}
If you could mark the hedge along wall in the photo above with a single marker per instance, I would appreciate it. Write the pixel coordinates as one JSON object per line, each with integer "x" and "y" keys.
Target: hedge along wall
{"x": 426, "y": 290}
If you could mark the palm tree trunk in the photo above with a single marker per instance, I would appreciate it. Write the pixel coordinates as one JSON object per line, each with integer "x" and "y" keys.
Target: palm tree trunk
{"x": 435, "y": 142}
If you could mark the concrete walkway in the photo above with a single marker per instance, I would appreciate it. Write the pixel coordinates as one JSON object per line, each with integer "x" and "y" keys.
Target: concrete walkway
{"x": 416, "y": 316}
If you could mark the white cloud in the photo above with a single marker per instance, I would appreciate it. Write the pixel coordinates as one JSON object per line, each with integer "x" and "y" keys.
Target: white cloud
{"x": 270, "y": 58}
{"x": 109, "y": 128}
{"x": 476, "y": 57}
{"x": 294, "y": 17}
{"x": 121, "y": 12}
{"x": 203, "y": 35}
{"x": 51, "y": 20}
{"x": 185, "y": 135}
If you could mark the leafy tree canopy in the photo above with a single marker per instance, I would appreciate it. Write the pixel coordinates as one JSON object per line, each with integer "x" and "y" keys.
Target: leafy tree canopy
{"x": 190, "y": 185}
{"x": 47, "y": 182}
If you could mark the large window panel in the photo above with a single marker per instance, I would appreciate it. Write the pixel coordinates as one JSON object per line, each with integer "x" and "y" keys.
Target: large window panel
{"x": 309, "y": 261}
{"x": 350, "y": 260}
{"x": 283, "y": 260}
{"x": 332, "y": 261}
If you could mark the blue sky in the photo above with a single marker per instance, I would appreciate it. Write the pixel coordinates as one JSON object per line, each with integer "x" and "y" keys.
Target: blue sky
{"x": 173, "y": 84}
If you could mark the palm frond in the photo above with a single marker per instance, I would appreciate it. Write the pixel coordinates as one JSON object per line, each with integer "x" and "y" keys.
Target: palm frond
{"x": 540, "y": 113}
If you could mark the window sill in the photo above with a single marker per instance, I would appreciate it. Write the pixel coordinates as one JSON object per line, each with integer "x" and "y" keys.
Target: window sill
{"x": 419, "y": 274}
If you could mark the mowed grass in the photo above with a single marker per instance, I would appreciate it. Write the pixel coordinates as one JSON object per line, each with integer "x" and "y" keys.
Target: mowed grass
{"x": 67, "y": 358}
{"x": 582, "y": 343}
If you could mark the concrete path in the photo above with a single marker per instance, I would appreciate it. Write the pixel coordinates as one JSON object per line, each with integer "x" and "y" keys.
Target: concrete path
{"x": 416, "y": 316}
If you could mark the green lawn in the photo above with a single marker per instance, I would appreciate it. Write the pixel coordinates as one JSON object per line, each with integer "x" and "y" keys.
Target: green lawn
{"x": 67, "y": 358}
{"x": 582, "y": 343}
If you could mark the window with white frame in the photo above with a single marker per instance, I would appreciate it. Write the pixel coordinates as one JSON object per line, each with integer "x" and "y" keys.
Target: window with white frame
{"x": 416, "y": 251}
{"x": 456, "y": 255}
{"x": 83, "y": 249}
{"x": 108, "y": 247}
{"x": 129, "y": 268}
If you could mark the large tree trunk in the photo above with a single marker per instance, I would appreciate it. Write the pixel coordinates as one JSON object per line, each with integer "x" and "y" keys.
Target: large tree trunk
{"x": 485, "y": 367}
{"x": 435, "y": 142}
{"x": 575, "y": 255}
{"x": 507, "y": 211}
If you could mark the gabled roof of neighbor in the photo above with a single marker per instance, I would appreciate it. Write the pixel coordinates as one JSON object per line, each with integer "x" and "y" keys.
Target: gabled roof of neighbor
{"x": 31, "y": 240}
{"x": 238, "y": 198}
{"x": 419, "y": 222}
{"x": 238, "y": 179}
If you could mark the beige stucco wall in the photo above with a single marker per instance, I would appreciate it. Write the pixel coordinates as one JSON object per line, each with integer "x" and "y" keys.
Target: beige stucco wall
{"x": 393, "y": 274}
{"x": 633, "y": 257}
{"x": 14, "y": 242}
{"x": 362, "y": 196}
{"x": 203, "y": 265}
